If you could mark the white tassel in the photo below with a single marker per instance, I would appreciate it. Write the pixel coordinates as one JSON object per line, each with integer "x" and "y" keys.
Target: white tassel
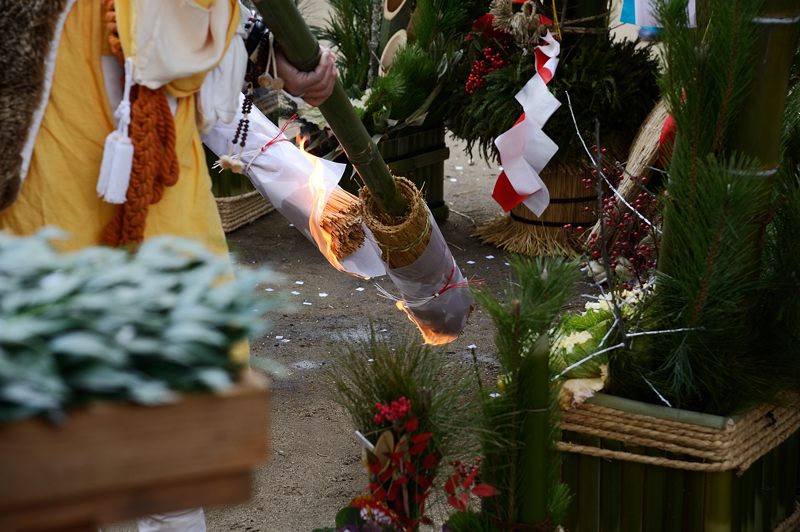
{"x": 115, "y": 171}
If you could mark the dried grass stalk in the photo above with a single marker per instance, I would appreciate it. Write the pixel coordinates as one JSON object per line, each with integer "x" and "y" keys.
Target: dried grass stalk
{"x": 402, "y": 239}
{"x": 342, "y": 219}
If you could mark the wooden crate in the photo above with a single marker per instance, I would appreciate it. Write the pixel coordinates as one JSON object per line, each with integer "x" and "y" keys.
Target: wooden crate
{"x": 626, "y": 475}
{"x": 112, "y": 462}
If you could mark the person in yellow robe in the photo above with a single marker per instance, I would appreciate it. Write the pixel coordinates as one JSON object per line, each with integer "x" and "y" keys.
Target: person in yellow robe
{"x": 63, "y": 85}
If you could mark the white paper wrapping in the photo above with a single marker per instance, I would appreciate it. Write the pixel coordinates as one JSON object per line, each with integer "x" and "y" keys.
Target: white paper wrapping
{"x": 281, "y": 173}
{"x": 435, "y": 293}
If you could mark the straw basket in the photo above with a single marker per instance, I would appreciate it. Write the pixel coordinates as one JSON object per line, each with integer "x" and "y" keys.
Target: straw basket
{"x": 238, "y": 202}
{"x": 571, "y": 203}
{"x": 636, "y": 466}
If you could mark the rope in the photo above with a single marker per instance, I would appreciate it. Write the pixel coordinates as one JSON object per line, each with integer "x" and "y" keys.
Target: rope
{"x": 791, "y": 523}
{"x": 155, "y": 162}
{"x": 735, "y": 447}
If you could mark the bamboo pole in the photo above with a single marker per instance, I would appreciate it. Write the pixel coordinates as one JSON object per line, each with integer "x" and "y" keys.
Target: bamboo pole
{"x": 536, "y": 454}
{"x": 719, "y": 502}
{"x": 571, "y": 477}
{"x": 302, "y": 50}
{"x": 758, "y": 499}
{"x": 589, "y": 496}
{"x": 694, "y": 502}
{"x": 632, "y": 494}
{"x": 610, "y": 489}
{"x": 674, "y": 494}
{"x": 655, "y": 478}
{"x": 793, "y": 458}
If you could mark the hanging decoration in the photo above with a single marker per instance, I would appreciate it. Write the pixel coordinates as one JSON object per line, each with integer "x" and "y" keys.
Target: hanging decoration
{"x": 525, "y": 149}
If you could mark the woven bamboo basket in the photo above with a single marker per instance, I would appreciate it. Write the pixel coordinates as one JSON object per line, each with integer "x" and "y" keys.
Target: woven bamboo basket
{"x": 238, "y": 202}
{"x": 636, "y": 466}
{"x": 521, "y": 231}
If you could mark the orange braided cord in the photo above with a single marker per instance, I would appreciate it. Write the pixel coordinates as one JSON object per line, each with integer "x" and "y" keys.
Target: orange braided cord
{"x": 155, "y": 162}
{"x": 155, "y": 165}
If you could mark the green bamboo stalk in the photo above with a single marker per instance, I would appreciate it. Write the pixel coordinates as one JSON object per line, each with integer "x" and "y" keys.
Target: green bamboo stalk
{"x": 758, "y": 499}
{"x": 792, "y": 463}
{"x": 589, "y": 496}
{"x": 694, "y": 502}
{"x": 757, "y": 131}
{"x": 660, "y": 412}
{"x": 673, "y": 519}
{"x": 655, "y": 498}
{"x": 536, "y": 456}
{"x": 781, "y": 478}
{"x": 632, "y": 495}
{"x": 719, "y": 502}
{"x": 610, "y": 490}
{"x": 302, "y": 50}
{"x": 747, "y": 500}
{"x": 571, "y": 477}
{"x": 768, "y": 490}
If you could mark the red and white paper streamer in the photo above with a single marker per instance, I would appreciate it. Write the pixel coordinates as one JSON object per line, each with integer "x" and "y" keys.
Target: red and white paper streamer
{"x": 525, "y": 149}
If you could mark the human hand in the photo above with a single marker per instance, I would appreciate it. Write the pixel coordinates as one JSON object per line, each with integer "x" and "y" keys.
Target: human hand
{"x": 314, "y": 87}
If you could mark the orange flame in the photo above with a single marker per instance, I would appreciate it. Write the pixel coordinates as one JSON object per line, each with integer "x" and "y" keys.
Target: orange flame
{"x": 429, "y": 336}
{"x": 316, "y": 183}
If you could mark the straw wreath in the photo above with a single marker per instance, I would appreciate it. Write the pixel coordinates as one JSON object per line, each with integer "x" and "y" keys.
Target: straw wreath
{"x": 401, "y": 239}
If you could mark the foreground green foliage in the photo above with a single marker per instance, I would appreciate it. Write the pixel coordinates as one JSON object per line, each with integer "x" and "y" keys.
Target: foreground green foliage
{"x": 520, "y": 415}
{"x": 103, "y": 324}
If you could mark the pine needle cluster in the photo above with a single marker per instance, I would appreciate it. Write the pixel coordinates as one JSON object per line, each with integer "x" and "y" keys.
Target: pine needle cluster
{"x": 726, "y": 327}
{"x": 377, "y": 370}
{"x": 348, "y": 29}
{"x": 515, "y": 424}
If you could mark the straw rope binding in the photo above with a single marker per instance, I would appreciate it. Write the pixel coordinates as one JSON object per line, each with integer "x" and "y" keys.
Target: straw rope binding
{"x": 242, "y": 209}
{"x": 791, "y": 523}
{"x": 736, "y": 447}
{"x": 401, "y": 239}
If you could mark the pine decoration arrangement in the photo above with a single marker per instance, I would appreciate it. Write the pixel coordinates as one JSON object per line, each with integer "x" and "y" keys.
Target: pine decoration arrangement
{"x": 610, "y": 81}
{"x": 697, "y": 428}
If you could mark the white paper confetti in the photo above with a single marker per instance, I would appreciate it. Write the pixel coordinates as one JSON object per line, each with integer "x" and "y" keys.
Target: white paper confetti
{"x": 285, "y": 340}
{"x": 300, "y": 283}
{"x": 470, "y": 262}
{"x": 295, "y": 293}
{"x": 279, "y": 337}
{"x": 489, "y": 257}
{"x": 360, "y": 289}
{"x": 494, "y": 395}
{"x": 452, "y": 179}
{"x": 307, "y": 303}
{"x": 507, "y": 264}
{"x": 472, "y": 346}
{"x": 323, "y": 294}
{"x": 269, "y": 289}
{"x": 459, "y": 168}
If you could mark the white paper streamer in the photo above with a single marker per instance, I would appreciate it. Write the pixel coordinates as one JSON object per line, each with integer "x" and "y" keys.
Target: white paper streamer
{"x": 281, "y": 174}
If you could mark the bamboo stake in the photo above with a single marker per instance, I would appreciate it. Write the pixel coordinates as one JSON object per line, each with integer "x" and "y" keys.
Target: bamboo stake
{"x": 793, "y": 453}
{"x": 694, "y": 503}
{"x": 571, "y": 477}
{"x": 610, "y": 489}
{"x": 536, "y": 435}
{"x": 632, "y": 495}
{"x": 768, "y": 488}
{"x": 302, "y": 50}
{"x": 719, "y": 499}
{"x": 673, "y": 519}
{"x": 589, "y": 496}
{"x": 758, "y": 499}
{"x": 747, "y": 500}
{"x": 655, "y": 479}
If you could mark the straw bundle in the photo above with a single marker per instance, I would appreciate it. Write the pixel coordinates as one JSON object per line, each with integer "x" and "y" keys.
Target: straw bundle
{"x": 342, "y": 220}
{"x": 401, "y": 239}
{"x": 643, "y": 155}
{"x": 521, "y": 231}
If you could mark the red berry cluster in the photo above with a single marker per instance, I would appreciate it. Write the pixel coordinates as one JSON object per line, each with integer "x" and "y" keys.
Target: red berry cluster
{"x": 394, "y": 411}
{"x": 625, "y": 231}
{"x": 490, "y": 62}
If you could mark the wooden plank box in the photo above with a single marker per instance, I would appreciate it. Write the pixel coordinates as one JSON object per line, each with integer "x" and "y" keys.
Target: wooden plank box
{"x": 111, "y": 462}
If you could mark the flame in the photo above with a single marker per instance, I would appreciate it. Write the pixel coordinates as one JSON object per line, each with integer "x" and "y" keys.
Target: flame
{"x": 316, "y": 184}
{"x": 429, "y": 336}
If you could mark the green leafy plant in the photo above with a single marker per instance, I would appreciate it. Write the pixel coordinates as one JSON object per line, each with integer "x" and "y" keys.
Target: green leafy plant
{"x": 104, "y": 324}
{"x": 520, "y": 416}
